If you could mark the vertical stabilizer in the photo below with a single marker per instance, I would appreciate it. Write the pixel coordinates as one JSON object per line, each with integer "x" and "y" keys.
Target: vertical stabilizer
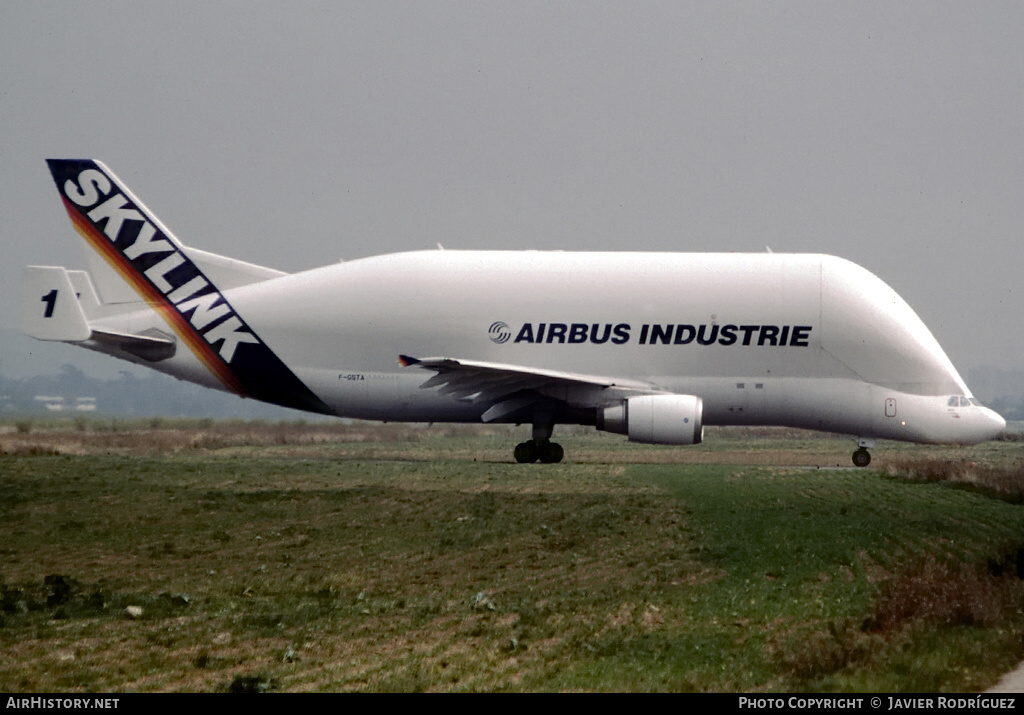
{"x": 183, "y": 287}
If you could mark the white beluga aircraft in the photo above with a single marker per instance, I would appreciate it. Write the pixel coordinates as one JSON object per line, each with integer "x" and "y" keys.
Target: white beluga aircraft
{"x": 649, "y": 345}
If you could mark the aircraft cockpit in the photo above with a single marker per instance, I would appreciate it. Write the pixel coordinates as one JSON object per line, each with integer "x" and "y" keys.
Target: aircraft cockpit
{"x": 961, "y": 401}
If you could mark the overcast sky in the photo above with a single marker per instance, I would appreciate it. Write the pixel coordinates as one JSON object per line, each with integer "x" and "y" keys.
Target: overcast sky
{"x": 294, "y": 134}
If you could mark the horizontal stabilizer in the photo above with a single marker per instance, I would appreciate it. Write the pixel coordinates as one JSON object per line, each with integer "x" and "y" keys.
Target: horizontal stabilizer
{"x": 52, "y": 309}
{"x": 49, "y": 306}
{"x": 152, "y": 346}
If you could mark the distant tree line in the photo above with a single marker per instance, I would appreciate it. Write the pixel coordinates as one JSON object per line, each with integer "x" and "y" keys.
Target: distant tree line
{"x": 1011, "y": 408}
{"x": 160, "y": 395}
{"x": 153, "y": 395}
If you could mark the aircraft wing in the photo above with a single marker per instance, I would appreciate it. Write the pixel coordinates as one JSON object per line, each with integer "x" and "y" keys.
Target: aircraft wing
{"x": 510, "y": 388}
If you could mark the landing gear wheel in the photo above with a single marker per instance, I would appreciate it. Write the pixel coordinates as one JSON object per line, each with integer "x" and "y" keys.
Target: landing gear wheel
{"x": 546, "y": 452}
{"x": 861, "y": 458}
{"x": 551, "y": 453}
{"x": 526, "y": 452}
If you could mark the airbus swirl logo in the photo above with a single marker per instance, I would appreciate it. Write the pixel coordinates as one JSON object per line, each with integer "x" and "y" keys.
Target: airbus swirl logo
{"x": 499, "y": 332}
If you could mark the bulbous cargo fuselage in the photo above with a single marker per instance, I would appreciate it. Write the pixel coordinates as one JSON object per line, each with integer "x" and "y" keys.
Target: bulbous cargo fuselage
{"x": 764, "y": 339}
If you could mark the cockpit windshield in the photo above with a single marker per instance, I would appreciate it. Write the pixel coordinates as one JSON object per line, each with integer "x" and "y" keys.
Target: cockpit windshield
{"x": 960, "y": 401}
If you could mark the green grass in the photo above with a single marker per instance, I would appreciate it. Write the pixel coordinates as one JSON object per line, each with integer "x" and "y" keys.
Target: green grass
{"x": 314, "y": 558}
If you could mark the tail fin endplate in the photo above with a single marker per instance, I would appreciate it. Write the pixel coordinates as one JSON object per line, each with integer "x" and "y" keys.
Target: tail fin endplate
{"x": 50, "y": 309}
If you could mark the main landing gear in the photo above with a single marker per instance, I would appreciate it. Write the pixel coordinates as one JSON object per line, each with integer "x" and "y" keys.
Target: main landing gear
{"x": 544, "y": 452}
{"x": 540, "y": 448}
{"x": 862, "y": 458}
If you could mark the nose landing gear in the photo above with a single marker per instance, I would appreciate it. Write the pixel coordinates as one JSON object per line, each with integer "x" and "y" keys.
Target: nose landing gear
{"x": 862, "y": 458}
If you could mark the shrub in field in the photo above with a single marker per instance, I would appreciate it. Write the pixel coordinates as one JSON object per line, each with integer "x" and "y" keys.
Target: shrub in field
{"x": 929, "y": 592}
{"x": 251, "y": 684}
{"x": 826, "y": 652}
{"x": 1004, "y": 481}
{"x": 935, "y": 592}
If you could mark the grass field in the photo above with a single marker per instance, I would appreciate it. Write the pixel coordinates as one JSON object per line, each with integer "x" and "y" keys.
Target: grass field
{"x": 187, "y": 555}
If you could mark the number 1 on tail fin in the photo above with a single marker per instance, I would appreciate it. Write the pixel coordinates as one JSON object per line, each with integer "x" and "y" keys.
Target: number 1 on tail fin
{"x": 50, "y": 308}
{"x": 51, "y": 300}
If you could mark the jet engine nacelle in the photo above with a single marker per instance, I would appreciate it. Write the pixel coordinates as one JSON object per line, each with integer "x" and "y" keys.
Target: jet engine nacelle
{"x": 656, "y": 419}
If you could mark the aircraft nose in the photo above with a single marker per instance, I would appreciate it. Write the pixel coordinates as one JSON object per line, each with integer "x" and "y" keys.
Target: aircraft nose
{"x": 994, "y": 423}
